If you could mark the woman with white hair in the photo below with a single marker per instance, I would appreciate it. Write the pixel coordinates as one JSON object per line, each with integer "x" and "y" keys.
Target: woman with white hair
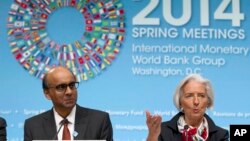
{"x": 192, "y": 97}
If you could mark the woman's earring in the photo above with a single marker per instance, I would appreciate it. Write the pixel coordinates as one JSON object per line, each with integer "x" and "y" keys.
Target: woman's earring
{"x": 181, "y": 109}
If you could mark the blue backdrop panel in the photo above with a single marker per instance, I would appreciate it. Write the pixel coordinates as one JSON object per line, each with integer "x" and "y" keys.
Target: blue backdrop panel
{"x": 155, "y": 45}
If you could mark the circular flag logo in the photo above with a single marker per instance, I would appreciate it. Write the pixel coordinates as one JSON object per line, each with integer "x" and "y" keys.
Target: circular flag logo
{"x": 87, "y": 57}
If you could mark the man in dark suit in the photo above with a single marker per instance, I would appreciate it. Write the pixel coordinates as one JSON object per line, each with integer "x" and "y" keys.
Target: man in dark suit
{"x": 60, "y": 86}
{"x": 3, "y": 133}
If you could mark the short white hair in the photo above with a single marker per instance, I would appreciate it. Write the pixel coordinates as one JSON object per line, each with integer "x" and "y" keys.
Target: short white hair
{"x": 197, "y": 77}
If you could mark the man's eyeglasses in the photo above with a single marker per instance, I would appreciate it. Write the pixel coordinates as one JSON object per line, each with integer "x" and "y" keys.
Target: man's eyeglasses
{"x": 63, "y": 87}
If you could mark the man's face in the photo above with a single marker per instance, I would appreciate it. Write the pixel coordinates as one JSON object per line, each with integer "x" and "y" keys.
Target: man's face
{"x": 61, "y": 89}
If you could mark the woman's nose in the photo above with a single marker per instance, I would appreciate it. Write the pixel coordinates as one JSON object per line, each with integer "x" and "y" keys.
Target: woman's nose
{"x": 196, "y": 100}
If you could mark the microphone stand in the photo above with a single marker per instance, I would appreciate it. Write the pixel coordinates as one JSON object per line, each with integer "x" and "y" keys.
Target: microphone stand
{"x": 186, "y": 132}
{"x": 62, "y": 123}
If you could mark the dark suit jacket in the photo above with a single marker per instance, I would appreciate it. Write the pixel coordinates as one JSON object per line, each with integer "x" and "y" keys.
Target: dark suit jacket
{"x": 89, "y": 124}
{"x": 3, "y": 133}
{"x": 169, "y": 130}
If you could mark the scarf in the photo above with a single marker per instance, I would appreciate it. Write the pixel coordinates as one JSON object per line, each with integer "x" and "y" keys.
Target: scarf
{"x": 190, "y": 133}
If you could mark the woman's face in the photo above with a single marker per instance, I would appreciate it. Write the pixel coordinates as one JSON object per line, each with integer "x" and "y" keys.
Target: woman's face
{"x": 194, "y": 101}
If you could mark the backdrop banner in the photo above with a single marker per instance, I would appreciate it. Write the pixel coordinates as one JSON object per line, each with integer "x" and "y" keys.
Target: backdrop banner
{"x": 128, "y": 55}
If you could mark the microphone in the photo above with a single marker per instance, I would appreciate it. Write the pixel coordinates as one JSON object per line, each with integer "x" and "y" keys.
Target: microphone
{"x": 186, "y": 132}
{"x": 64, "y": 121}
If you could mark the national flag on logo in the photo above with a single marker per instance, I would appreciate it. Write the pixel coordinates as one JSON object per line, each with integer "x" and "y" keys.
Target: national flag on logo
{"x": 72, "y": 2}
{"x": 89, "y": 21}
{"x": 32, "y": 5}
{"x": 94, "y": 10}
{"x": 112, "y": 36}
{"x": 111, "y": 56}
{"x": 32, "y": 71}
{"x": 97, "y": 58}
{"x": 116, "y": 50}
{"x": 113, "y": 30}
{"x": 77, "y": 44}
{"x": 100, "y": 4}
{"x": 79, "y": 53}
{"x": 97, "y": 21}
{"x": 27, "y": 66}
{"x": 102, "y": 66}
{"x": 26, "y": 54}
{"x": 88, "y": 45}
{"x": 83, "y": 10}
{"x": 37, "y": 53}
{"x": 89, "y": 28}
{"x": 59, "y": 3}
{"x": 97, "y": 28}
{"x": 106, "y": 61}
{"x": 10, "y": 19}
{"x": 30, "y": 11}
{"x": 23, "y": 5}
{"x": 44, "y": 16}
{"x": 120, "y": 12}
{"x": 104, "y": 36}
{"x": 121, "y": 30}
{"x": 111, "y": 11}
{"x": 81, "y": 60}
{"x": 41, "y": 5}
{"x": 97, "y": 16}
{"x": 47, "y": 2}
{"x": 99, "y": 50}
{"x": 14, "y": 7}
{"x": 106, "y": 47}
{"x": 64, "y": 56}
{"x": 47, "y": 60}
{"x": 70, "y": 48}
{"x": 36, "y": 62}
{"x": 102, "y": 10}
{"x": 19, "y": 23}
{"x": 20, "y": 11}
{"x": 18, "y": 56}
{"x": 105, "y": 29}
{"x": 10, "y": 32}
{"x": 15, "y": 50}
{"x": 84, "y": 76}
{"x": 121, "y": 24}
{"x": 93, "y": 40}
{"x": 22, "y": 61}
{"x": 72, "y": 55}
{"x": 58, "y": 56}
{"x": 112, "y": 16}
{"x": 100, "y": 42}
{"x": 47, "y": 10}
{"x": 109, "y": 42}
{"x": 92, "y": 63}
{"x": 109, "y": 4}
{"x": 86, "y": 57}
{"x": 120, "y": 38}
{"x": 118, "y": 5}
{"x": 87, "y": 66}
{"x": 30, "y": 59}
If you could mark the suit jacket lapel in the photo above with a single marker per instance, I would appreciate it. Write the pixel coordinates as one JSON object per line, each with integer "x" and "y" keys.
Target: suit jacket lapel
{"x": 50, "y": 125}
{"x": 80, "y": 123}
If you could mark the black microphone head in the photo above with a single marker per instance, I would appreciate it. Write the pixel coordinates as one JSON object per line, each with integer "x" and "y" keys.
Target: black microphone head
{"x": 64, "y": 121}
{"x": 186, "y": 127}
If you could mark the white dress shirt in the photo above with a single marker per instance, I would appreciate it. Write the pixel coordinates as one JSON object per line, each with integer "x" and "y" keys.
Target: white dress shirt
{"x": 71, "y": 119}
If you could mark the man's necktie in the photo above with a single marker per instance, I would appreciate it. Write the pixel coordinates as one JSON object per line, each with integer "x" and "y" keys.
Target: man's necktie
{"x": 66, "y": 133}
